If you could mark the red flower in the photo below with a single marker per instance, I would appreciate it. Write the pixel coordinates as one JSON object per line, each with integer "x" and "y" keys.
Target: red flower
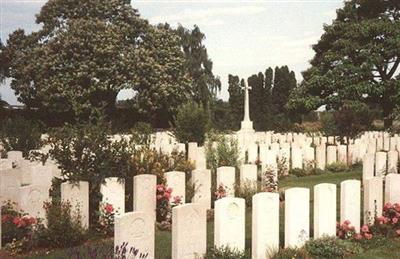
{"x": 395, "y": 220}
{"x": 368, "y": 236}
{"x": 358, "y": 237}
{"x": 4, "y": 218}
{"x": 364, "y": 228}
{"x": 17, "y": 221}
{"x": 167, "y": 195}
{"x": 109, "y": 208}
{"x": 169, "y": 190}
{"x": 32, "y": 221}
{"x": 346, "y": 222}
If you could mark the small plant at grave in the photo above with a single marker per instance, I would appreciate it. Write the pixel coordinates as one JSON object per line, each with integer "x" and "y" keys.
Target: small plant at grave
{"x": 63, "y": 229}
{"x": 246, "y": 191}
{"x": 270, "y": 183}
{"x": 220, "y": 192}
{"x": 330, "y": 248}
{"x": 283, "y": 167}
{"x": 224, "y": 153}
{"x": 346, "y": 231}
{"x": 106, "y": 216}
{"x": 337, "y": 167}
{"x": 18, "y": 229}
{"x": 226, "y": 252}
{"x": 123, "y": 252}
{"x": 290, "y": 253}
{"x": 388, "y": 224}
{"x": 165, "y": 205}
{"x": 100, "y": 250}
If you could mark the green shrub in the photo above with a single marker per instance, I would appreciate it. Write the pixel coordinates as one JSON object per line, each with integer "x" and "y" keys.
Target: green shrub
{"x": 246, "y": 191}
{"x": 224, "y": 153}
{"x": 290, "y": 253}
{"x": 226, "y": 253}
{"x": 330, "y": 248}
{"x": 192, "y": 122}
{"x": 141, "y": 133}
{"x": 337, "y": 167}
{"x": 20, "y": 134}
{"x": 299, "y": 172}
{"x": 63, "y": 230}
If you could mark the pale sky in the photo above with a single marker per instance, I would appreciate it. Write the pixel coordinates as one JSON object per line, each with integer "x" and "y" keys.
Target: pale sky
{"x": 243, "y": 37}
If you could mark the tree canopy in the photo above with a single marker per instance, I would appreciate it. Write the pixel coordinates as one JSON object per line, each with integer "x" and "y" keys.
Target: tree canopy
{"x": 205, "y": 83}
{"x": 87, "y": 51}
{"x": 356, "y": 60}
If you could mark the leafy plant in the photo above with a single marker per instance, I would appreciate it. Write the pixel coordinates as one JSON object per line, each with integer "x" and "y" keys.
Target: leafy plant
{"x": 290, "y": 253}
{"x": 224, "y": 153}
{"x": 63, "y": 229}
{"x": 337, "y": 167}
{"x": 141, "y": 133}
{"x": 192, "y": 122}
{"x": 20, "y": 134}
{"x": 246, "y": 191}
{"x": 106, "y": 216}
{"x": 330, "y": 248}
{"x": 18, "y": 229}
{"x": 226, "y": 252}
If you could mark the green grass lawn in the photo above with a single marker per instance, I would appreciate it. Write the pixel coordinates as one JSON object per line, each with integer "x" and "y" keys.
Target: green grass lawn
{"x": 387, "y": 249}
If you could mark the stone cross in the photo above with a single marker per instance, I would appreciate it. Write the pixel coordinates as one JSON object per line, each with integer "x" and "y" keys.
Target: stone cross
{"x": 246, "y": 89}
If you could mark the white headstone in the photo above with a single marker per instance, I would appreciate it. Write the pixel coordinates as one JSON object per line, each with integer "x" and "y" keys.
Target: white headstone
{"x": 380, "y": 163}
{"x": 350, "y": 202}
{"x": 248, "y": 175}
{"x": 393, "y": 161}
{"x": 297, "y": 157}
{"x": 113, "y": 191}
{"x": 189, "y": 231}
{"x": 201, "y": 162}
{"x": 265, "y": 224}
{"x": 177, "y": 181}
{"x": 342, "y": 154}
{"x": 144, "y": 194}
{"x": 373, "y": 198}
{"x": 32, "y": 198}
{"x": 77, "y": 194}
{"x": 202, "y": 185}
{"x": 330, "y": 155}
{"x": 229, "y": 223}
{"x": 368, "y": 166}
{"x": 10, "y": 182}
{"x": 392, "y": 190}
{"x": 297, "y": 216}
{"x": 226, "y": 178}
{"x": 252, "y": 152}
{"x": 324, "y": 210}
{"x": 320, "y": 157}
{"x": 135, "y": 230}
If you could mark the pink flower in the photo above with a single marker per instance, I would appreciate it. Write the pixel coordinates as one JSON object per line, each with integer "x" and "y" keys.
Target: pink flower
{"x": 398, "y": 232}
{"x": 358, "y": 236}
{"x": 364, "y": 228}
{"x": 346, "y": 222}
{"x": 169, "y": 190}
{"x": 395, "y": 220}
{"x": 387, "y": 206}
{"x": 109, "y": 208}
{"x": 177, "y": 200}
{"x": 159, "y": 196}
{"x": 160, "y": 188}
{"x": 368, "y": 236}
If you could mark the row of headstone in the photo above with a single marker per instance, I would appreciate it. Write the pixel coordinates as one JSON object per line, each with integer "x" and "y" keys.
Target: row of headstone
{"x": 380, "y": 164}
{"x": 229, "y": 219}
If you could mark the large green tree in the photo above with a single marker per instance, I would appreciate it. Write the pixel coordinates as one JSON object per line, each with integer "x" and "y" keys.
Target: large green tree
{"x": 205, "y": 83}
{"x": 87, "y": 51}
{"x": 236, "y": 100}
{"x": 356, "y": 60}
